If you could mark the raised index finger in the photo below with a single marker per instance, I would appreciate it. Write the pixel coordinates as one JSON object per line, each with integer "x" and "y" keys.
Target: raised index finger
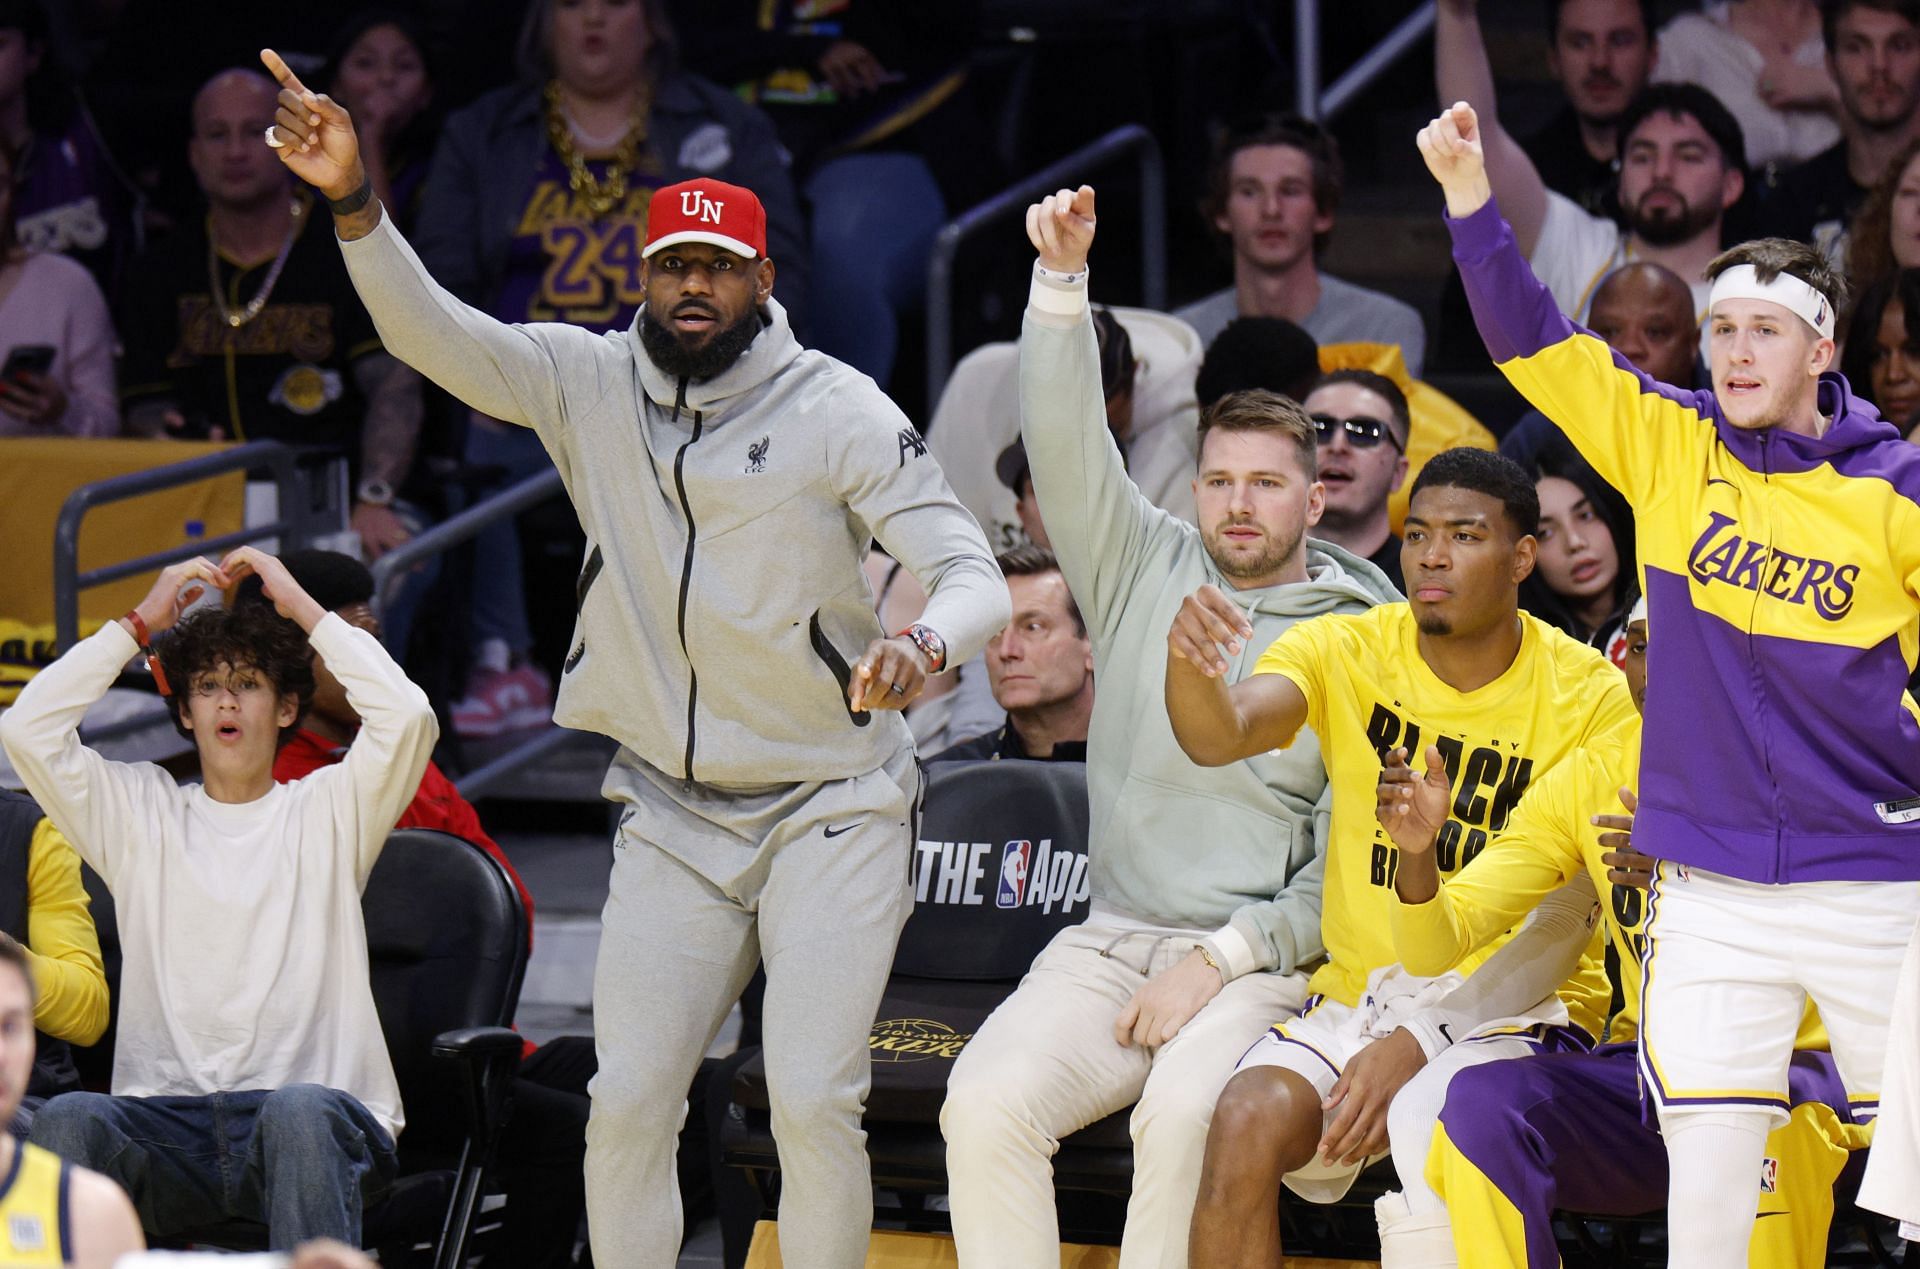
{"x": 278, "y": 68}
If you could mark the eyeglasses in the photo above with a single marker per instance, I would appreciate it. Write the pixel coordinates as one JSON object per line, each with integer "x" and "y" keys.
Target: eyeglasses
{"x": 241, "y": 684}
{"x": 1362, "y": 432}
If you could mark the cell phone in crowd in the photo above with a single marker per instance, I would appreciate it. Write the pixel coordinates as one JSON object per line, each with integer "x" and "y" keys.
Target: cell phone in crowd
{"x": 26, "y": 359}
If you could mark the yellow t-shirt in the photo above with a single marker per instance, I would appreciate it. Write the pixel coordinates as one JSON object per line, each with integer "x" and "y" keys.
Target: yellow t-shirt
{"x": 70, "y": 980}
{"x": 1368, "y": 691}
{"x": 34, "y": 1225}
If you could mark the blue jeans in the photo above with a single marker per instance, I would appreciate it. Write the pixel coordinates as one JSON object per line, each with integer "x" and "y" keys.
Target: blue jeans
{"x": 499, "y": 594}
{"x": 301, "y": 1159}
{"x": 874, "y": 220}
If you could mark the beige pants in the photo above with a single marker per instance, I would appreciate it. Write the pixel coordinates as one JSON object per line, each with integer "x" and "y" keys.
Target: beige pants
{"x": 1045, "y": 1064}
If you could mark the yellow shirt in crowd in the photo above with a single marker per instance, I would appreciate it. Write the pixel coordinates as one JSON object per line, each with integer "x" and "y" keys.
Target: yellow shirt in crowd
{"x": 62, "y": 944}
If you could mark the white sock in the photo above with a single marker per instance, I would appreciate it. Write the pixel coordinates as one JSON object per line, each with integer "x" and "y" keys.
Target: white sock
{"x": 1413, "y": 1240}
{"x": 1713, "y": 1188}
{"x": 493, "y": 654}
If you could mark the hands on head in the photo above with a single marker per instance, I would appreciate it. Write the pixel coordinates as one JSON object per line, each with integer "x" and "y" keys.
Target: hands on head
{"x": 1060, "y": 227}
{"x": 174, "y": 589}
{"x": 1451, "y": 145}
{"x": 313, "y": 134}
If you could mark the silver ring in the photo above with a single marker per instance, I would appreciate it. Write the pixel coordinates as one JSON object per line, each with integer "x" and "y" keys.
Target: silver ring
{"x": 273, "y": 141}
{"x": 897, "y": 690}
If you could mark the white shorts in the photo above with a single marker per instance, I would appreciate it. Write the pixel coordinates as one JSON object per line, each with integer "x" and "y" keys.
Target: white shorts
{"x": 1729, "y": 966}
{"x": 1327, "y": 1035}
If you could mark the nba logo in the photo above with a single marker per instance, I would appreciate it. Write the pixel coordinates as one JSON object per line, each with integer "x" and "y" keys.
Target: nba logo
{"x": 1014, "y": 859}
{"x": 1769, "y": 1175}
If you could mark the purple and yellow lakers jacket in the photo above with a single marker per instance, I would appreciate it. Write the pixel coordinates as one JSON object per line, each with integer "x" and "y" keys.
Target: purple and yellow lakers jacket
{"x": 1782, "y": 575}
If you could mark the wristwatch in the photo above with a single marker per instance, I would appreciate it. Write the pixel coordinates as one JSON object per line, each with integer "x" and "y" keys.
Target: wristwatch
{"x": 374, "y": 491}
{"x": 929, "y": 643}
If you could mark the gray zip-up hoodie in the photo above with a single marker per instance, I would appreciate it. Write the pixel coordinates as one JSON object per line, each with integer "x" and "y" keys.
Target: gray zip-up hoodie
{"x": 1237, "y": 849}
{"x": 721, "y": 602}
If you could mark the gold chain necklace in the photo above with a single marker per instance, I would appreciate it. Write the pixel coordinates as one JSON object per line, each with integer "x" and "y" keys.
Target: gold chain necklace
{"x": 259, "y": 301}
{"x": 599, "y": 195}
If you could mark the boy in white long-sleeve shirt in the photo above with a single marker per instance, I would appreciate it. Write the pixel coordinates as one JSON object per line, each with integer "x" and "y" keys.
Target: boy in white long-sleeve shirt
{"x": 250, "y": 1077}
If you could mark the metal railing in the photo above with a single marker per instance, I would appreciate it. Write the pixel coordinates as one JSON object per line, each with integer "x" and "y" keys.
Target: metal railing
{"x": 291, "y": 520}
{"x": 1013, "y": 200}
{"x": 1308, "y": 98}
{"x": 443, "y": 537}
{"x": 456, "y": 529}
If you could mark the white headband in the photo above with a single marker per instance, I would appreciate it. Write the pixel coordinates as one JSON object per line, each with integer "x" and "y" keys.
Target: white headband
{"x": 1639, "y": 612}
{"x": 1741, "y": 282}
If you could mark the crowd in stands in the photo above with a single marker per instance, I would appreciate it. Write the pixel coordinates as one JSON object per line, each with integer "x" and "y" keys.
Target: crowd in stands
{"x": 218, "y": 309}
{"x": 166, "y": 279}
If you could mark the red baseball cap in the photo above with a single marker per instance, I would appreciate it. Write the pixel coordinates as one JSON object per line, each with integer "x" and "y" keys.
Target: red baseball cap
{"x": 706, "y": 210}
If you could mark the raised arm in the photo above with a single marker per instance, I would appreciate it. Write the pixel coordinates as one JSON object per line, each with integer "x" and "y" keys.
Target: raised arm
{"x": 1630, "y": 428}
{"x": 1097, "y": 520}
{"x": 1214, "y": 723}
{"x": 1462, "y": 72}
{"x": 504, "y": 371}
{"x": 381, "y": 772}
{"x": 94, "y": 802}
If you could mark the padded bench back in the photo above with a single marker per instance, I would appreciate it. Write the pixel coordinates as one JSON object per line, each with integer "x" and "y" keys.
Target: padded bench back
{"x": 1000, "y": 868}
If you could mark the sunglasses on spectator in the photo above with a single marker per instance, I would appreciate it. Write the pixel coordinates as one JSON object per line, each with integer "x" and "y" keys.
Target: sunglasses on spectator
{"x": 1362, "y": 432}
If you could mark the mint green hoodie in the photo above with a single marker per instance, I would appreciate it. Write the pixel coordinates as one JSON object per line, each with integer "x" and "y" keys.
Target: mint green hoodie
{"x": 1235, "y": 849}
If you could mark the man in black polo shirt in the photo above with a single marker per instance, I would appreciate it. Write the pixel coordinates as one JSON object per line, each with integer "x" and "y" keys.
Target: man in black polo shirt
{"x": 242, "y": 325}
{"x": 1040, "y": 666}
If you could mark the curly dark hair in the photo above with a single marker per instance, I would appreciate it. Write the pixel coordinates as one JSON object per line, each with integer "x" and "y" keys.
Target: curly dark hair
{"x": 250, "y": 634}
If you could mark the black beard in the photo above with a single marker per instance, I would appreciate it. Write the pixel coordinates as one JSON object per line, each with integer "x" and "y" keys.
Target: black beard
{"x": 678, "y": 361}
{"x": 1669, "y": 231}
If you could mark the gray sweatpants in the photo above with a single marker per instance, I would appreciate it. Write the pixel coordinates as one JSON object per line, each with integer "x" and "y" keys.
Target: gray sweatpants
{"x": 812, "y": 879}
